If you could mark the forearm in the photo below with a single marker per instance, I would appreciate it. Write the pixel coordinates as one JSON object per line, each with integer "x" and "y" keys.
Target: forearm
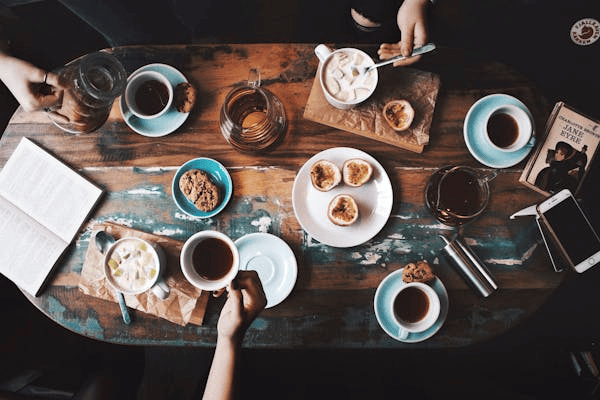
{"x": 223, "y": 375}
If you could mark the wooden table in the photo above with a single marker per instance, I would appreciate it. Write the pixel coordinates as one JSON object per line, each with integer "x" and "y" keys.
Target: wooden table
{"x": 332, "y": 302}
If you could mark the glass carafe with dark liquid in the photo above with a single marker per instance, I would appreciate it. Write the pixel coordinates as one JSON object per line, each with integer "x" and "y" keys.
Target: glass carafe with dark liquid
{"x": 91, "y": 84}
{"x": 457, "y": 194}
{"x": 252, "y": 118}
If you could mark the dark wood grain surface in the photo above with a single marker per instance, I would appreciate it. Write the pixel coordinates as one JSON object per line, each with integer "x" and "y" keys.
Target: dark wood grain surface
{"x": 332, "y": 302}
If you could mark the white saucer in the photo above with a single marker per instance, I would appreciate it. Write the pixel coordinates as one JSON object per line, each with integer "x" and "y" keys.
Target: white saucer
{"x": 274, "y": 261}
{"x": 166, "y": 123}
{"x": 474, "y": 131}
{"x": 385, "y": 315}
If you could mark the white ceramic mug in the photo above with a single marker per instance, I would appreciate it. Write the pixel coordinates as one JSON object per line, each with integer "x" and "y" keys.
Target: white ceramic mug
{"x": 152, "y": 281}
{"x": 509, "y": 128}
{"x": 135, "y": 82}
{"x": 187, "y": 261}
{"x": 326, "y": 55}
{"x": 427, "y": 312}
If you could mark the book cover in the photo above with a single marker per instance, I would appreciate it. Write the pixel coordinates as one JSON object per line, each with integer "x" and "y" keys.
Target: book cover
{"x": 562, "y": 158}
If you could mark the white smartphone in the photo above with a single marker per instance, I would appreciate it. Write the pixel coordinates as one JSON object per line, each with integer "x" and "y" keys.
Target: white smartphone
{"x": 571, "y": 229}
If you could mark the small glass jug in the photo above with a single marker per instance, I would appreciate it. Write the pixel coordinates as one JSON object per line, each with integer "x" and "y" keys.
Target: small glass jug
{"x": 91, "y": 83}
{"x": 457, "y": 194}
{"x": 252, "y": 118}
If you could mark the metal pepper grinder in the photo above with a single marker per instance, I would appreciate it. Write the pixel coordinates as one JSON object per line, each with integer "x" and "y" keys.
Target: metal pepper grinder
{"x": 469, "y": 266}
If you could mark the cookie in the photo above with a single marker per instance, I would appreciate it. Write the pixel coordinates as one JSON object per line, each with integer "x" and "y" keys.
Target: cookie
{"x": 197, "y": 186}
{"x": 184, "y": 97}
{"x": 417, "y": 272}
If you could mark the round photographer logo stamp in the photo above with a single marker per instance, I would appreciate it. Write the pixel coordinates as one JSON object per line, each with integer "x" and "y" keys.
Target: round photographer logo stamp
{"x": 585, "y": 31}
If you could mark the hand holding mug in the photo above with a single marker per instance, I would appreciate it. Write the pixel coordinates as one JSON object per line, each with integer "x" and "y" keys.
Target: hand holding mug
{"x": 245, "y": 300}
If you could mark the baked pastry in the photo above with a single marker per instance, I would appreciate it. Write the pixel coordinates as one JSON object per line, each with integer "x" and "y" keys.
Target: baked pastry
{"x": 356, "y": 172}
{"x": 399, "y": 114}
{"x": 197, "y": 186}
{"x": 325, "y": 175}
{"x": 417, "y": 272}
{"x": 184, "y": 97}
{"x": 343, "y": 210}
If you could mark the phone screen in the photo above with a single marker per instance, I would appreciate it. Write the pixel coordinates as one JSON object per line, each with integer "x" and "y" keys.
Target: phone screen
{"x": 573, "y": 230}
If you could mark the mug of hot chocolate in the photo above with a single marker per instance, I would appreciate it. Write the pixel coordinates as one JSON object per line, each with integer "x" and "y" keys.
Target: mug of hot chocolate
{"x": 148, "y": 94}
{"x": 345, "y": 77}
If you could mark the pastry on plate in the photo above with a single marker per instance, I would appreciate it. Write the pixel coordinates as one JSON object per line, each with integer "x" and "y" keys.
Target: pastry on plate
{"x": 356, "y": 172}
{"x": 325, "y": 175}
{"x": 343, "y": 210}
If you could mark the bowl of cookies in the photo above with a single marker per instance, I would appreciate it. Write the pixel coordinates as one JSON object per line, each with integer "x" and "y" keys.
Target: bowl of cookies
{"x": 202, "y": 187}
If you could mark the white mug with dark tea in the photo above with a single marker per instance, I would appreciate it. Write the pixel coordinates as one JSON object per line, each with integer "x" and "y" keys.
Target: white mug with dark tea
{"x": 148, "y": 94}
{"x": 416, "y": 308}
{"x": 209, "y": 260}
{"x": 508, "y": 129}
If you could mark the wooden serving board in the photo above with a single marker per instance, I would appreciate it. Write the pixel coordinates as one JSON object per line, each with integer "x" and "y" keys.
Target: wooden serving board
{"x": 420, "y": 88}
{"x": 185, "y": 303}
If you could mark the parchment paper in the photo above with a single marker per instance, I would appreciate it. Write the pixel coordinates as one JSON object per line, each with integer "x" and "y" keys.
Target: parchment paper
{"x": 185, "y": 303}
{"x": 420, "y": 88}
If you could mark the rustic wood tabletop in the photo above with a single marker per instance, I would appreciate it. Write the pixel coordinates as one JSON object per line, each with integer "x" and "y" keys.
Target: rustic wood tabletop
{"x": 332, "y": 302}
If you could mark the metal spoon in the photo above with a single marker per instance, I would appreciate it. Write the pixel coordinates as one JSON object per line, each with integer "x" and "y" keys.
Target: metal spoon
{"x": 103, "y": 242}
{"x": 426, "y": 48}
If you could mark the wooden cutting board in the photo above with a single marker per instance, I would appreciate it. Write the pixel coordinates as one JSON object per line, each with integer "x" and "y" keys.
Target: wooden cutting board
{"x": 420, "y": 88}
{"x": 185, "y": 304}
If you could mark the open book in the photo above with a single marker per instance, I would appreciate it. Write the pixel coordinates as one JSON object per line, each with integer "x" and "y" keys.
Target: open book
{"x": 43, "y": 204}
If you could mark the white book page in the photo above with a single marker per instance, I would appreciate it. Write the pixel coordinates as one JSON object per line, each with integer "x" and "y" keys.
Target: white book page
{"x": 28, "y": 251}
{"x": 47, "y": 190}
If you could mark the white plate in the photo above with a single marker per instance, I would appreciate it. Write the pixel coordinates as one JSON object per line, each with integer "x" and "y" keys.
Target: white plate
{"x": 374, "y": 199}
{"x": 385, "y": 314}
{"x": 274, "y": 262}
{"x": 474, "y": 131}
{"x": 166, "y": 123}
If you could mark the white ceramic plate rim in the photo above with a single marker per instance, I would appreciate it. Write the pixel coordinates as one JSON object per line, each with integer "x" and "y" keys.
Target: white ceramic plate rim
{"x": 271, "y": 246}
{"x": 178, "y": 118}
{"x": 372, "y": 217}
{"x": 506, "y": 159}
{"x": 387, "y": 322}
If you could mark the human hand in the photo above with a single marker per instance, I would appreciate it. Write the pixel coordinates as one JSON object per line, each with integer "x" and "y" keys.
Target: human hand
{"x": 412, "y": 22}
{"x": 245, "y": 300}
{"x": 33, "y": 87}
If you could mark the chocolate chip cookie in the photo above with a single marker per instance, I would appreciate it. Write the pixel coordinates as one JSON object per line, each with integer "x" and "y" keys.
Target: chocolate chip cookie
{"x": 197, "y": 186}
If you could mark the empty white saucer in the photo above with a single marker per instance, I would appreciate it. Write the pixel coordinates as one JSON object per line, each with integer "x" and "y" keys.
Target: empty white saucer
{"x": 273, "y": 260}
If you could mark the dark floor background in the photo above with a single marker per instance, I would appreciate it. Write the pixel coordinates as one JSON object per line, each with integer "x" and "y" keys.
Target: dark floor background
{"x": 530, "y": 362}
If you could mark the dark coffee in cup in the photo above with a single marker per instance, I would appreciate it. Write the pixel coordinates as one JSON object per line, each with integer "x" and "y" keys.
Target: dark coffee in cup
{"x": 152, "y": 97}
{"x": 503, "y": 129}
{"x": 212, "y": 258}
{"x": 411, "y": 305}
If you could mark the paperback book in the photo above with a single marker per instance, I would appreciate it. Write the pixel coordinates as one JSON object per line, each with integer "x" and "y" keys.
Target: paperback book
{"x": 567, "y": 148}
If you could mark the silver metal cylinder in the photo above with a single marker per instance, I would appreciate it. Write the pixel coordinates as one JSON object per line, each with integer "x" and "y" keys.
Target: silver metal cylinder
{"x": 469, "y": 267}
